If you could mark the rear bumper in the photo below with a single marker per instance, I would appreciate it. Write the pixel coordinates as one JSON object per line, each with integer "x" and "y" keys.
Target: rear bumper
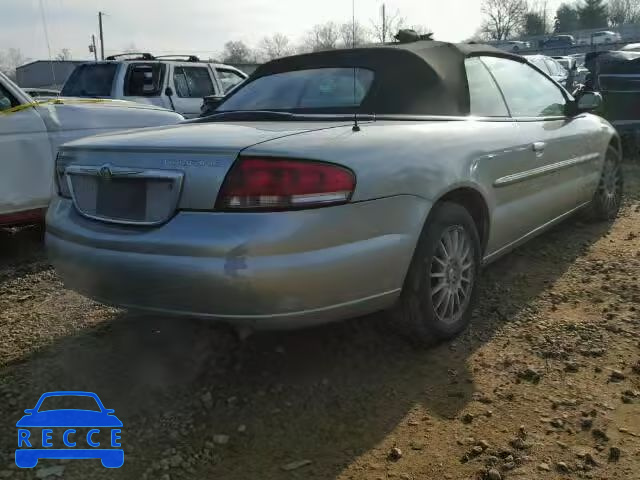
{"x": 265, "y": 270}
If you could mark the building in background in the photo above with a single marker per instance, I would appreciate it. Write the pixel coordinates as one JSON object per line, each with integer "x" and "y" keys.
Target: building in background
{"x": 46, "y": 73}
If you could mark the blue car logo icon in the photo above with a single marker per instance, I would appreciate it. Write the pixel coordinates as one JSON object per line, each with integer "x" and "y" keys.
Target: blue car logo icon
{"x": 73, "y": 423}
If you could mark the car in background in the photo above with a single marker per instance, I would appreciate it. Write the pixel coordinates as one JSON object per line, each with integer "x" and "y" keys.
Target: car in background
{"x": 615, "y": 75}
{"x": 559, "y": 41}
{"x": 570, "y": 64}
{"x": 579, "y": 58}
{"x": 42, "y": 92}
{"x": 335, "y": 184}
{"x": 176, "y": 82}
{"x": 605, "y": 36}
{"x": 513, "y": 46}
{"x": 31, "y": 131}
{"x": 551, "y": 67}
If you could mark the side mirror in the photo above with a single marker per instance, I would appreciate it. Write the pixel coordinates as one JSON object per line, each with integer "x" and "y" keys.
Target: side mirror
{"x": 29, "y": 411}
{"x": 168, "y": 92}
{"x": 589, "y": 101}
{"x": 109, "y": 411}
{"x": 210, "y": 104}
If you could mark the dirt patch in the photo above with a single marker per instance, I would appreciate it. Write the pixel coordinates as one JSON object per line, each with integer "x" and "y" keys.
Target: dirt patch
{"x": 545, "y": 383}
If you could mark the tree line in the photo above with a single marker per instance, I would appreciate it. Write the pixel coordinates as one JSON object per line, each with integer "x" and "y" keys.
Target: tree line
{"x": 505, "y": 19}
{"x": 11, "y": 58}
{"x": 325, "y": 36}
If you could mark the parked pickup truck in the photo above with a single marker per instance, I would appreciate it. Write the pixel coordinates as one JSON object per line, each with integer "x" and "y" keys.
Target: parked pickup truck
{"x": 30, "y": 133}
{"x": 177, "y": 82}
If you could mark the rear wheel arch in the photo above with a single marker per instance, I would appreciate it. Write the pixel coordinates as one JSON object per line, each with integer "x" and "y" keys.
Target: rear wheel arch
{"x": 475, "y": 203}
{"x": 616, "y": 143}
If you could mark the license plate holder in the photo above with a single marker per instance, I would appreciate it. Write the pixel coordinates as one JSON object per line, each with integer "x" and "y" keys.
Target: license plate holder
{"x": 123, "y": 198}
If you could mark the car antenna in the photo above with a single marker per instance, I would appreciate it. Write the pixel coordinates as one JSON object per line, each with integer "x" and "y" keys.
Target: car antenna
{"x": 356, "y": 127}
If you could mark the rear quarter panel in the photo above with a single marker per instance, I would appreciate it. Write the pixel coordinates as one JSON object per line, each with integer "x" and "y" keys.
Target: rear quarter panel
{"x": 422, "y": 158}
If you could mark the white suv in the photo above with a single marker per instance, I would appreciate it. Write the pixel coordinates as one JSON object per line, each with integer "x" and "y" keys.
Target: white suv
{"x": 177, "y": 82}
{"x": 605, "y": 37}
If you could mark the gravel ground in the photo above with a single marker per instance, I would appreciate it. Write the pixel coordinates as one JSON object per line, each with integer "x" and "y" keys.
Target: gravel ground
{"x": 545, "y": 384}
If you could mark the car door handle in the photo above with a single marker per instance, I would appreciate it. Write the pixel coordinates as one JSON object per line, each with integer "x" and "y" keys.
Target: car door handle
{"x": 538, "y": 147}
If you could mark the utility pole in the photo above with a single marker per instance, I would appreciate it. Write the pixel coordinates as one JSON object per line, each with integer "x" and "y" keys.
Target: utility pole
{"x": 100, "y": 14}
{"x": 92, "y": 48}
{"x": 384, "y": 23}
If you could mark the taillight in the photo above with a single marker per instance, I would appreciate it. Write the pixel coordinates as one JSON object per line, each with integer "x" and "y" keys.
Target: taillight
{"x": 272, "y": 183}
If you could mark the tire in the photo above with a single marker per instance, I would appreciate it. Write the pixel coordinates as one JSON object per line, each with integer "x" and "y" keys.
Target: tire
{"x": 607, "y": 198}
{"x": 515, "y": 49}
{"x": 433, "y": 276}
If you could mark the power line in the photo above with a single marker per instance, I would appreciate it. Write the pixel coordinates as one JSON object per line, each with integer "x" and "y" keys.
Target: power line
{"x": 46, "y": 37}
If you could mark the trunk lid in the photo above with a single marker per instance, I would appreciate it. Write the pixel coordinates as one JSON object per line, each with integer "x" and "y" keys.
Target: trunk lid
{"x": 143, "y": 176}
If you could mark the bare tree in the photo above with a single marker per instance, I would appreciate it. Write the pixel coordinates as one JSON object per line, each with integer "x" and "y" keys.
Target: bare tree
{"x": 65, "y": 54}
{"x": 387, "y": 26}
{"x": 502, "y": 17}
{"x": 11, "y": 59}
{"x": 275, "y": 46}
{"x": 237, "y": 52}
{"x": 623, "y": 11}
{"x": 322, "y": 37}
{"x": 353, "y": 35}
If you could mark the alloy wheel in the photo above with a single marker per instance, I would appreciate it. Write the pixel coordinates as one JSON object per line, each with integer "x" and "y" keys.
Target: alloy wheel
{"x": 610, "y": 187}
{"x": 451, "y": 274}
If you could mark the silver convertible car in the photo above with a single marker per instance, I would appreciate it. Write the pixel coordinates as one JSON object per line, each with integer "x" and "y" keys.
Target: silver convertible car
{"x": 335, "y": 184}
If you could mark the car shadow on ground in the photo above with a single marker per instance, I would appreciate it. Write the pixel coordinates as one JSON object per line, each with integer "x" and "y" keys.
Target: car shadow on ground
{"x": 21, "y": 252}
{"x": 329, "y": 393}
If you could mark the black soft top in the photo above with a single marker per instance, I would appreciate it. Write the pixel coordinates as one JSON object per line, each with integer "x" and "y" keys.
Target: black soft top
{"x": 420, "y": 78}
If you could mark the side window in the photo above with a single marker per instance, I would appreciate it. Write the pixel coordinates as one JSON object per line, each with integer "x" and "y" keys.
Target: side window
{"x": 192, "y": 82}
{"x": 228, "y": 79}
{"x": 144, "y": 79}
{"x": 7, "y": 100}
{"x": 527, "y": 92}
{"x": 484, "y": 97}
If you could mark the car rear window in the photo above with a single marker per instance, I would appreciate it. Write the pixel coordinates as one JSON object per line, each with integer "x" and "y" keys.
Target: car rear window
{"x": 65, "y": 402}
{"x": 90, "y": 80}
{"x": 319, "y": 88}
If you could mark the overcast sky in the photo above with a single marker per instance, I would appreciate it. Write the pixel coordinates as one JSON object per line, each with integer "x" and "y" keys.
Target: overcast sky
{"x": 203, "y": 26}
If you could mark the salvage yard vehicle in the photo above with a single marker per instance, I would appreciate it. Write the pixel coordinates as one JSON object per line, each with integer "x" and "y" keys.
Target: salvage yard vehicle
{"x": 616, "y": 76}
{"x": 176, "y": 82}
{"x": 605, "y": 36}
{"x": 30, "y": 133}
{"x": 559, "y": 41}
{"x": 513, "y": 46}
{"x": 335, "y": 184}
{"x": 551, "y": 67}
